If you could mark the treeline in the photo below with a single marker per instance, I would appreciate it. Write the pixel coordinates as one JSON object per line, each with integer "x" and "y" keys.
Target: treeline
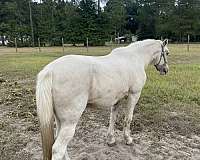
{"x": 76, "y": 20}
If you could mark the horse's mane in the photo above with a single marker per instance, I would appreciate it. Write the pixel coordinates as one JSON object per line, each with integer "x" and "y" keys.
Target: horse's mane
{"x": 137, "y": 45}
{"x": 143, "y": 43}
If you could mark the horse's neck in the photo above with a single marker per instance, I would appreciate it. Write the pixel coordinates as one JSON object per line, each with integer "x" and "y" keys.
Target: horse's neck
{"x": 145, "y": 54}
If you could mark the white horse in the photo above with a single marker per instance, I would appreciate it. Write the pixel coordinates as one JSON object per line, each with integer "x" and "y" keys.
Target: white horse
{"x": 68, "y": 84}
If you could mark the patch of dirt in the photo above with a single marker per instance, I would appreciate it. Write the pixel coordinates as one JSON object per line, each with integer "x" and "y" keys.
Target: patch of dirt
{"x": 174, "y": 135}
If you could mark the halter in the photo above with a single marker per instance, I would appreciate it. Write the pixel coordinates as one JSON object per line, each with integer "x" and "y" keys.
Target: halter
{"x": 162, "y": 55}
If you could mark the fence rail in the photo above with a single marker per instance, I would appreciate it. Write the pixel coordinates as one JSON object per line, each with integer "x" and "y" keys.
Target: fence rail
{"x": 88, "y": 50}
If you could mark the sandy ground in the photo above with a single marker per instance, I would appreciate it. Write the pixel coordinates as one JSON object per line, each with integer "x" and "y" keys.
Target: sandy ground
{"x": 20, "y": 138}
{"x": 21, "y": 141}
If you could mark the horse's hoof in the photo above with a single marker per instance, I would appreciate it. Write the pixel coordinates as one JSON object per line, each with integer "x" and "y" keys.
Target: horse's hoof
{"x": 129, "y": 141}
{"x": 111, "y": 144}
{"x": 111, "y": 140}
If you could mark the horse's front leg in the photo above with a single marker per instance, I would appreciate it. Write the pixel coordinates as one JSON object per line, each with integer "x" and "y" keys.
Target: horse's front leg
{"x": 111, "y": 128}
{"x": 132, "y": 100}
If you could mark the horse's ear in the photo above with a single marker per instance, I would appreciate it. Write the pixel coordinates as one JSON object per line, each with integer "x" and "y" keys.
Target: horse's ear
{"x": 165, "y": 42}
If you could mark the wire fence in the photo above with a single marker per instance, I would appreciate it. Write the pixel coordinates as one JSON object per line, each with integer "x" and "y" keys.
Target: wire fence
{"x": 85, "y": 49}
{"x": 64, "y": 48}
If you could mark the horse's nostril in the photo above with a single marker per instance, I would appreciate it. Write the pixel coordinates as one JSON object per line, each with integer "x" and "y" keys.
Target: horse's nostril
{"x": 165, "y": 70}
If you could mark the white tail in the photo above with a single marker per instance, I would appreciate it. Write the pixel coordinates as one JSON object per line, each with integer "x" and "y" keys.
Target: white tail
{"x": 45, "y": 112}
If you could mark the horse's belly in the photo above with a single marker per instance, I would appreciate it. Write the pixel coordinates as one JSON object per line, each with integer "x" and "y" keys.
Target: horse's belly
{"x": 108, "y": 88}
{"x": 107, "y": 97}
{"x": 102, "y": 101}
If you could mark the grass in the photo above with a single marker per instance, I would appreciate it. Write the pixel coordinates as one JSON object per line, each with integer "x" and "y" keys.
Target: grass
{"x": 179, "y": 91}
{"x": 182, "y": 83}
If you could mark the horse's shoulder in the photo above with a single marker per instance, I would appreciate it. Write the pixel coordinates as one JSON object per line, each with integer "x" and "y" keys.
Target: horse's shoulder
{"x": 138, "y": 79}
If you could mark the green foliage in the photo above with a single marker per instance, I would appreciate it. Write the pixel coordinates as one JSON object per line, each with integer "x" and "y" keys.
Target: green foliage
{"x": 116, "y": 13}
{"x": 179, "y": 20}
{"x": 146, "y": 18}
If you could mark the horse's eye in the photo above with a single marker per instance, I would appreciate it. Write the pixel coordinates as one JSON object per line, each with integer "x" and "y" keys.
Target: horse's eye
{"x": 167, "y": 53}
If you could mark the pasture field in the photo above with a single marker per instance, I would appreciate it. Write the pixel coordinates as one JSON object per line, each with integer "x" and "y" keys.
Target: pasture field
{"x": 166, "y": 123}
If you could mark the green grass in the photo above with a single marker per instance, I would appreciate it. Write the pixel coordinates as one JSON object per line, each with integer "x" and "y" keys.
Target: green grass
{"x": 182, "y": 83}
{"x": 178, "y": 91}
{"x": 24, "y": 64}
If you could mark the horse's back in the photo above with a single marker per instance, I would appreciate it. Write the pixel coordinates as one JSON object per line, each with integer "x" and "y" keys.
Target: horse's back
{"x": 104, "y": 79}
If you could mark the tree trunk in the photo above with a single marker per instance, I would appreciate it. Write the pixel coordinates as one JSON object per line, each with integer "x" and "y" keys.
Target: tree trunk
{"x": 99, "y": 7}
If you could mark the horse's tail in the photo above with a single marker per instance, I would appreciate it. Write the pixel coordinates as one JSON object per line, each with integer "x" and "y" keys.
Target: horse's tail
{"x": 45, "y": 111}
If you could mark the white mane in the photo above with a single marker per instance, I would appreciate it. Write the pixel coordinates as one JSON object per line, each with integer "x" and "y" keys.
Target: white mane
{"x": 143, "y": 43}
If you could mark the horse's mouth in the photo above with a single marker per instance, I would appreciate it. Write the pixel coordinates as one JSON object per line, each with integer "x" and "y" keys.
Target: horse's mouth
{"x": 163, "y": 72}
{"x": 162, "y": 69}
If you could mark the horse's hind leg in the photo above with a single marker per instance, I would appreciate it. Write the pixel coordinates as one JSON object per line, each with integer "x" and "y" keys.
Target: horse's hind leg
{"x": 68, "y": 116}
{"x": 111, "y": 128}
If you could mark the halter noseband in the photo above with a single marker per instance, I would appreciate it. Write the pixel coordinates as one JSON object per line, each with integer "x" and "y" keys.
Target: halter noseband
{"x": 162, "y": 55}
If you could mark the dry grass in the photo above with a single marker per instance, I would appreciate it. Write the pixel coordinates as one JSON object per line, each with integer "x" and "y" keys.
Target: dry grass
{"x": 67, "y": 50}
{"x": 176, "y": 48}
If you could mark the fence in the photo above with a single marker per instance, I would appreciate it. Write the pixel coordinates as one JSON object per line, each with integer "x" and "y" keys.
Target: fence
{"x": 87, "y": 50}
{"x": 61, "y": 48}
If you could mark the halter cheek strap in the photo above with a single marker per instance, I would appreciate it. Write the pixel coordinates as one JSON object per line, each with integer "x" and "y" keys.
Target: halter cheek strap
{"x": 162, "y": 55}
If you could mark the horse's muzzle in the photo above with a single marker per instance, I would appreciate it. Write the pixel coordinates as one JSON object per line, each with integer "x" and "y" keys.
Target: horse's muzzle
{"x": 163, "y": 69}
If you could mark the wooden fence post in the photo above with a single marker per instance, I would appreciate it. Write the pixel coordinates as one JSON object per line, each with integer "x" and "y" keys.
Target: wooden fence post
{"x": 16, "y": 45}
{"x": 87, "y": 44}
{"x": 39, "y": 44}
{"x": 63, "y": 49}
{"x": 118, "y": 38}
{"x": 111, "y": 43}
{"x": 188, "y": 44}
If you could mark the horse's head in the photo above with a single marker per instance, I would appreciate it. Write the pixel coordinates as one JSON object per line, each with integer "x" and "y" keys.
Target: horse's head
{"x": 160, "y": 60}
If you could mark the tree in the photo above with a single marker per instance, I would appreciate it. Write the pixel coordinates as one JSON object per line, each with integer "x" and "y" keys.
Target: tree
{"x": 147, "y": 11}
{"x": 132, "y": 16}
{"x": 90, "y": 22}
{"x": 116, "y": 13}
